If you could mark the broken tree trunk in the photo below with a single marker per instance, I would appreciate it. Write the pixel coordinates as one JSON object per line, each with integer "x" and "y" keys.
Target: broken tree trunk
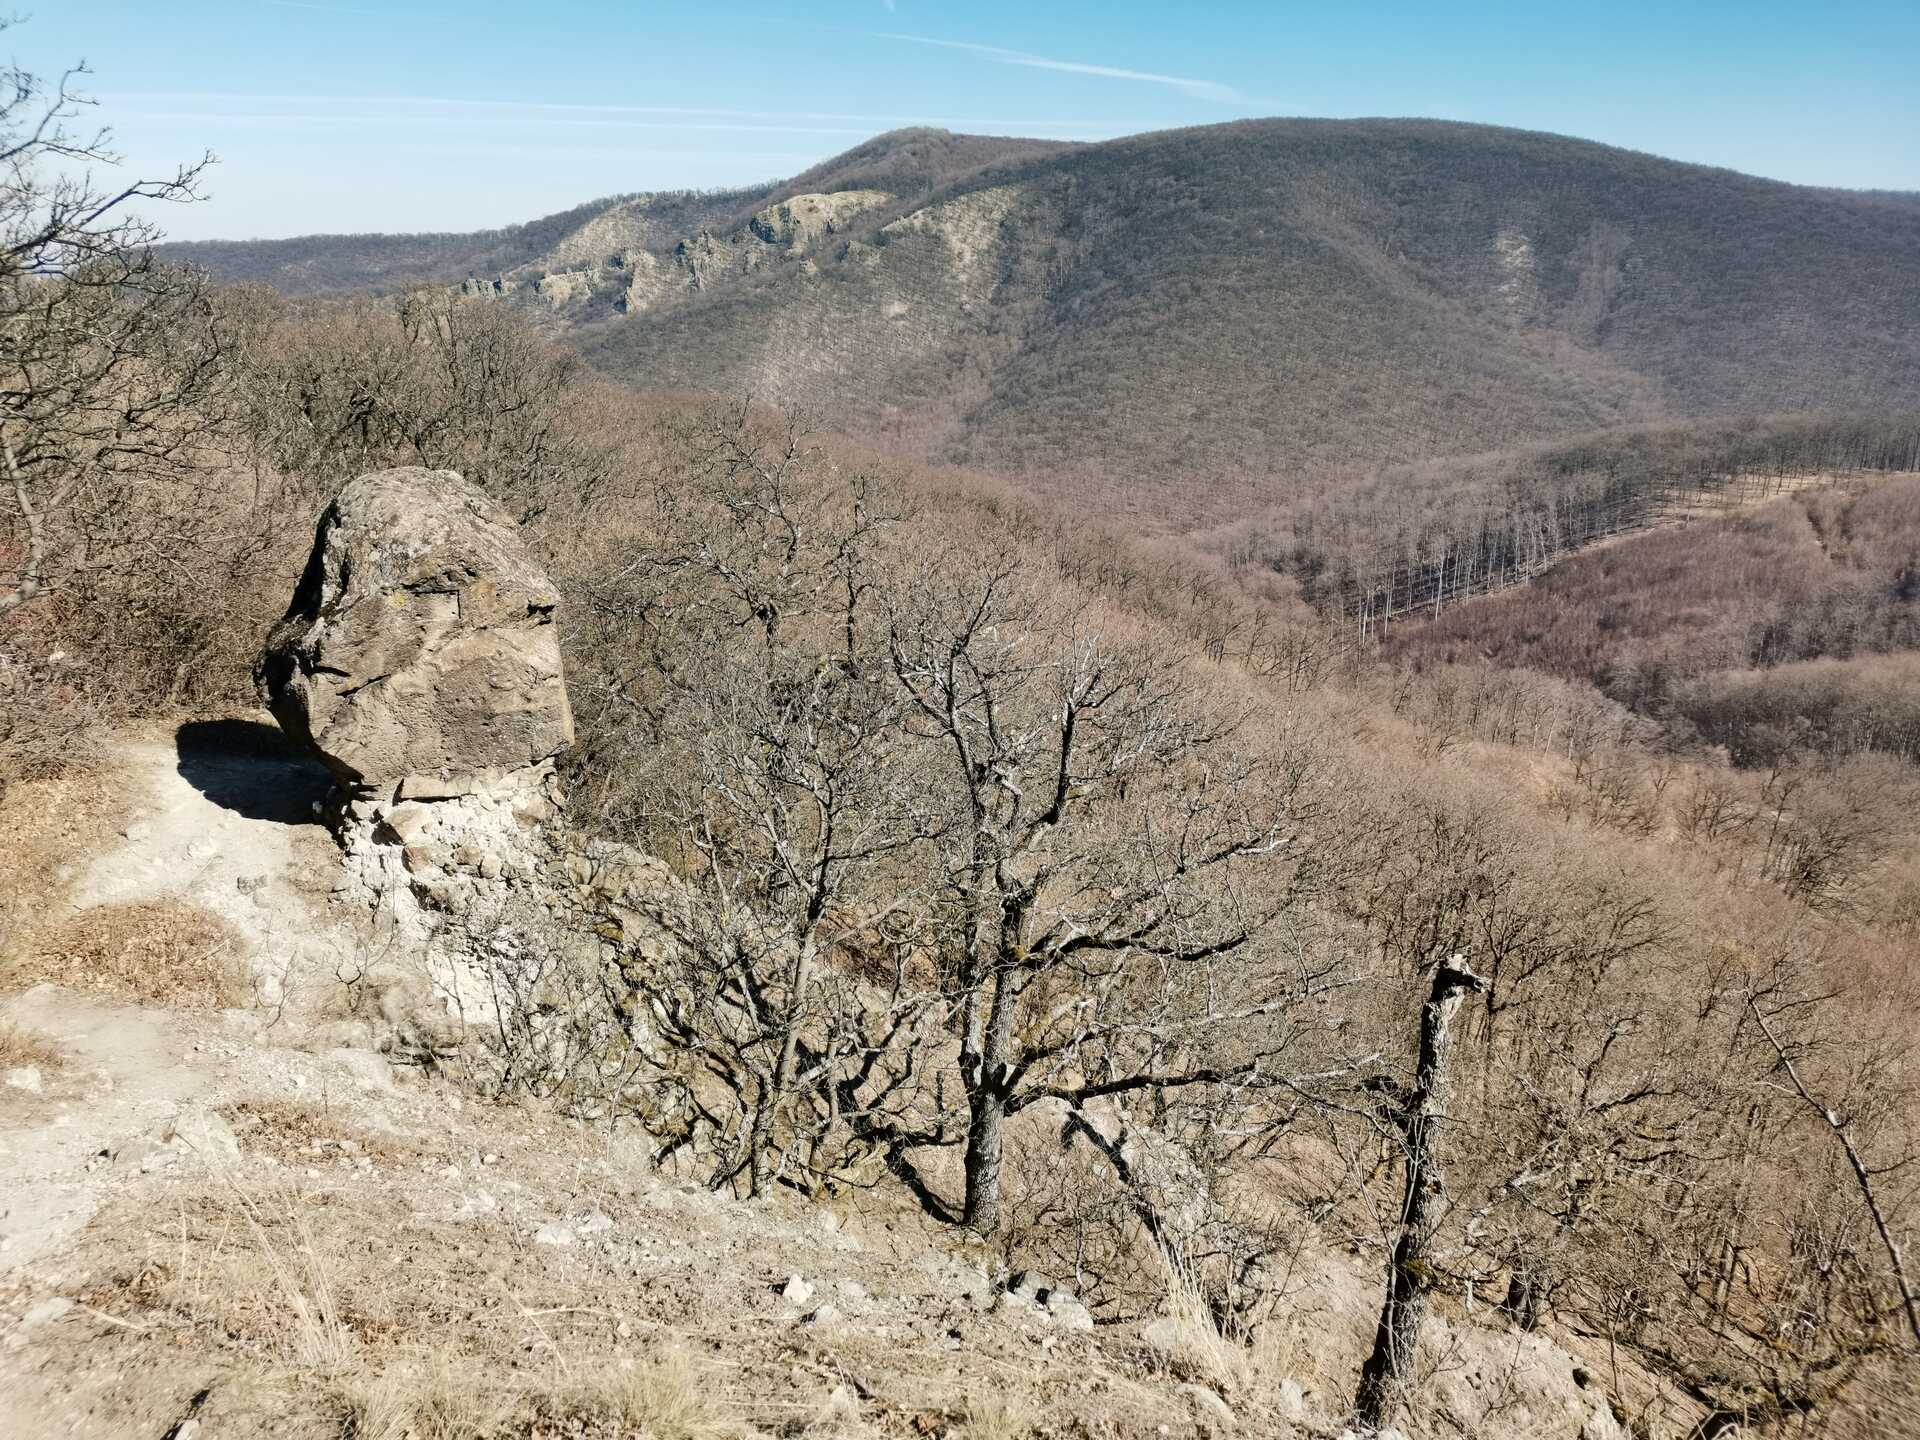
{"x": 1389, "y": 1370}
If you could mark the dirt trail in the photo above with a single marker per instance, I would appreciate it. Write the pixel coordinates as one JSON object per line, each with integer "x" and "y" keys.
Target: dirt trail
{"x": 122, "y": 1082}
{"x": 228, "y": 830}
{"x": 228, "y": 822}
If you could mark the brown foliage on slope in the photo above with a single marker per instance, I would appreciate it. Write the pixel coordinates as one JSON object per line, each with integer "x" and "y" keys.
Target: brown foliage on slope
{"x": 1524, "y": 823}
{"x": 1785, "y": 627}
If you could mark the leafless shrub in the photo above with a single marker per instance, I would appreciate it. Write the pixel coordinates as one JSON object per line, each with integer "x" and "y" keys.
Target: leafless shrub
{"x": 556, "y": 1021}
{"x": 334, "y": 389}
{"x": 49, "y": 722}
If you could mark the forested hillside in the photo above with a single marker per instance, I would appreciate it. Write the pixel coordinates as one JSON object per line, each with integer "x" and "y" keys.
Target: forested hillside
{"x": 1178, "y": 321}
{"x": 1787, "y": 626}
{"x": 319, "y": 264}
{"x": 1182, "y": 325}
{"x": 1388, "y": 541}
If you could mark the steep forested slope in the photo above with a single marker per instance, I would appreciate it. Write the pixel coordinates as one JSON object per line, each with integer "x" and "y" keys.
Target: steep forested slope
{"x": 1206, "y": 318}
{"x": 1210, "y": 307}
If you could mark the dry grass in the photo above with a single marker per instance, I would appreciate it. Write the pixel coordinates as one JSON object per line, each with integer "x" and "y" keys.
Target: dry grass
{"x": 158, "y": 952}
{"x": 320, "y": 1340}
{"x": 375, "y": 1321}
{"x": 298, "y": 1130}
{"x": 289, "y": 1279}
{"x": 449, "y": 1393}
{"x": 1200, "y": 1351}
{"x": 1003, "y": 1415}
{"x": 444, "y": 1395}
{"x": 666, "y": 1396}
{"x": 20, "y": 1047}
{"x": 432, "y": 1397}
{"x": 49, "y": 825}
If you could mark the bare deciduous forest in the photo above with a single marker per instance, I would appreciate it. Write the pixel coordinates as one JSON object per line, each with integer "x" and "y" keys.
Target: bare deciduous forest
{"x": 1469, "y": 828}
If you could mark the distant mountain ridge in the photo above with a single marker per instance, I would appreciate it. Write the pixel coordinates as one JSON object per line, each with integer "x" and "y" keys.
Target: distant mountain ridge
{"x": 1210, "y": 314}
{"x": 321, "y": 264}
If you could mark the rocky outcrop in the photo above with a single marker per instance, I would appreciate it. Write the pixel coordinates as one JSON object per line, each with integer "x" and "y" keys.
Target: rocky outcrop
{"x": 779, "y": 233}
{"x": 800, "y": 220}
{"x": 419, "y": 659}
{"x": 630, "y": 260}
{"x": 567, "y": 287}
{"x": 970, "y": 225}
{"x": 420, "y": 662}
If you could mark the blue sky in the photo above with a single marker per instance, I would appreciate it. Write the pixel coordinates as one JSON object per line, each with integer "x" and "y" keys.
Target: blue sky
{"x": 427, "y": 114}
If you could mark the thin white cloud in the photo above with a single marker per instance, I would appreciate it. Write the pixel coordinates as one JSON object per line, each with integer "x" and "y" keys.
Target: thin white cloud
{"x": 773, "y": 158}
{"x": 1198, "y": 89}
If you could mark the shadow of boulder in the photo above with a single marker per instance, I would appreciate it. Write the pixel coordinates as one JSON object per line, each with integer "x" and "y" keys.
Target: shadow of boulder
{"x": 253, "y": 770}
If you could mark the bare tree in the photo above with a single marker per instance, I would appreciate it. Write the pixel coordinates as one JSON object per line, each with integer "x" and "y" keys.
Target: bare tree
{"x": 1865, "y": 1176}
{"x": 795, "y": 809}
{"x": 107, "y": 355}
{"x": 1117, "y": 858}
{"x": 778, "y": 782}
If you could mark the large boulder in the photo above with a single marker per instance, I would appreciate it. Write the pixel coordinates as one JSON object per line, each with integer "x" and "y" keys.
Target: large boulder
{"x": 420, "y": 658}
